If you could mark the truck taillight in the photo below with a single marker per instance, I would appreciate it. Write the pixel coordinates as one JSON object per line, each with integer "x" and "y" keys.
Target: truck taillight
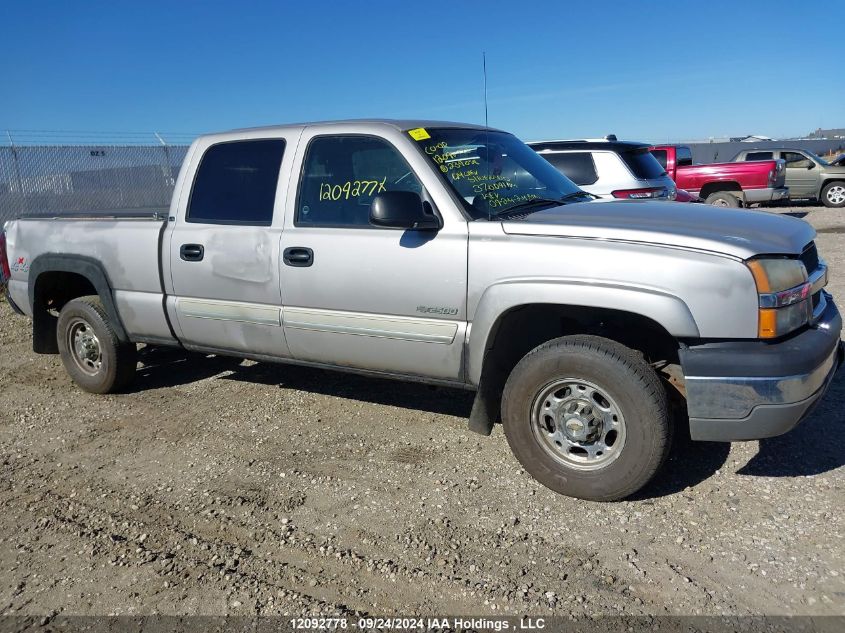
{"x": 638, "y": 194}
{"x": 772, "y": 177}
{"x": 5, "y": 272}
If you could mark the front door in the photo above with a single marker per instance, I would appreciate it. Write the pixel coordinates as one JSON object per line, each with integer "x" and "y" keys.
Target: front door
{"x": 802, "y": 175}
{"x": 224, "y": 251}
{"x": 360, "y": 296}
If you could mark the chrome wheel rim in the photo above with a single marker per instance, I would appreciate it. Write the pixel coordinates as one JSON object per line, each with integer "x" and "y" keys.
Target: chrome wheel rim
{"x": 836, "y": 194}
{"x": 719, "y": 203}
{"x": 578, "y": 424}
{"x": 84, "y": 347}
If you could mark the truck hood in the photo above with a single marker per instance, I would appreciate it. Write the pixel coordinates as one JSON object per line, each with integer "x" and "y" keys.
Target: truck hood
{"x": 735, "y": 232}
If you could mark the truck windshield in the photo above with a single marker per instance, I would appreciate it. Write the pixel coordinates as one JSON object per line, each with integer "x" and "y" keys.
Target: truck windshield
{"x": 494, "y": 173}
{"x": 821, "y": 161}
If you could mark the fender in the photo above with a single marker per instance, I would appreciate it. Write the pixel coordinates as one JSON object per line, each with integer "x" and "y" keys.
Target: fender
{"x": 87, "y": 267}
{"x": 666, "y": 309}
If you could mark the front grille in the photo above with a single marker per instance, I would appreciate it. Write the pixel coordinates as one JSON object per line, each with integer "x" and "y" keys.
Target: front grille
{"x": 810, "y": 257}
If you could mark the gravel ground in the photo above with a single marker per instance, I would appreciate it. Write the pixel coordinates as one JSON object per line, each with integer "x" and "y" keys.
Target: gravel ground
{"x": 225, "y": 487}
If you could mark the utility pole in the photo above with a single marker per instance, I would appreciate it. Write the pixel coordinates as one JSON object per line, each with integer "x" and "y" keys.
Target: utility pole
{"x": 15, "y": 161}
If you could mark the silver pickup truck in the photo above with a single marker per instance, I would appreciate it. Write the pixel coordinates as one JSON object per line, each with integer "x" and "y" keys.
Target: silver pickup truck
{"x": 451, "y": 254}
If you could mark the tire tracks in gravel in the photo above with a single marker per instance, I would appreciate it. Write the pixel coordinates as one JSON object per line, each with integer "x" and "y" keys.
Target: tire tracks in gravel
{"x": 307, "y": 571}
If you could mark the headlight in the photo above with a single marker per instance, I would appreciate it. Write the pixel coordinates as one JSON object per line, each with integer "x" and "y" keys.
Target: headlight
{"x": 784, "y": 293}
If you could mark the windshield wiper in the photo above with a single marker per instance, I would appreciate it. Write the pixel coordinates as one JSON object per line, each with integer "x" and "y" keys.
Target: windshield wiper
{"x": 578, "y": 194}
{"x": 522, "y": 206}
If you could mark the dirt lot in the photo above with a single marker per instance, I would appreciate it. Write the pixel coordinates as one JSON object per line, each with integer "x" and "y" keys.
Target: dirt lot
{"x": 226, "y": 487}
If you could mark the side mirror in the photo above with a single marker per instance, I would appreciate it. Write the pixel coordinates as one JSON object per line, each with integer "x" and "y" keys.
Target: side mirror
{"x": 403, "y": 210}
{"x": 810, "y": 164}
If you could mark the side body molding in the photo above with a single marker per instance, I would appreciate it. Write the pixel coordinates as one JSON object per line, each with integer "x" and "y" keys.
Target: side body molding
{"x": 666, "y": 309}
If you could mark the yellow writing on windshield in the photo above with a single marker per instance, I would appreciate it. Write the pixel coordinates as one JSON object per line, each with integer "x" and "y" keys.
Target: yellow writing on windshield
{"x": 351, "y": 189}
{"x": 431, "y": 150}
{"x": 457, "y": 163}
{"x": 495, "y": 200}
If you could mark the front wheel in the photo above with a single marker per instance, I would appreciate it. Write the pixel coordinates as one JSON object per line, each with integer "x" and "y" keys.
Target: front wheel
{"x": 833, "y": 194}
{"x": 91, "y": 352}
{"x": 587, "y": 417}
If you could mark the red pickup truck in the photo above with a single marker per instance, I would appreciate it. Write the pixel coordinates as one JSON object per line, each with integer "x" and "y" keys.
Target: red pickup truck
{"x": 724, "y": 184}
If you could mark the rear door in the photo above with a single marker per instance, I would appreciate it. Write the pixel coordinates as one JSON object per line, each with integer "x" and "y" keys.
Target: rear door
{"x": 224, "y": 248}
{"x": 802, "y": 175}
{"x": 362, "y": 296}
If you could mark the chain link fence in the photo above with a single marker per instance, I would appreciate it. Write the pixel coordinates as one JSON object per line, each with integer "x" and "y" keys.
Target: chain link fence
{"x": 86, "y": 178}
{"x": 57, "y": 179}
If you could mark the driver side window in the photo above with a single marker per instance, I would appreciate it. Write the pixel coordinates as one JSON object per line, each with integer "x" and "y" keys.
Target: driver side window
{"x": 342, "y": 174}
{"x": 792, "y": 158}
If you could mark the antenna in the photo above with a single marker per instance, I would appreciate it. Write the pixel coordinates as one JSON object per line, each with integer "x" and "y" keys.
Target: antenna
{"x": 484, "y": 70}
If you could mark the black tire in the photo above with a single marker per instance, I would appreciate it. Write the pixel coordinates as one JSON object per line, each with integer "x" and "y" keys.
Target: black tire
{"x": 631, "y": 384}
{"x": 107, "y": 365}
{"x": 833, "y": 190}
{"x": 723, "y": 199}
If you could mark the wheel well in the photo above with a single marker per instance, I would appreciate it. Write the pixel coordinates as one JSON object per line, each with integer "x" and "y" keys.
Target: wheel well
{"x": 52, "y": 291}
{"x": 830, "y": 180}
{"x": 523, "y": 328}
{"x": 716, "y": 187}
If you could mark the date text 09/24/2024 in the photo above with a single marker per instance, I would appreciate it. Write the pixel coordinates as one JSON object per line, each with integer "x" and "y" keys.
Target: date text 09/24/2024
{"x": 418, "y": 623}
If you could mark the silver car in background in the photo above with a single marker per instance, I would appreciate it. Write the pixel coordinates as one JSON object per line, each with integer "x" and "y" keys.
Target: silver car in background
{"x": 609, "y": 168}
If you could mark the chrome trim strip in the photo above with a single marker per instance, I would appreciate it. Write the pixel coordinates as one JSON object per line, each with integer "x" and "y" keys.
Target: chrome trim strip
{"x": 820, "y": 308}
{"x": 376, "y": 325}
{"x": 229, "y": 311}
{"x": 729, "y": 397}
{"x": 818, "y": 278}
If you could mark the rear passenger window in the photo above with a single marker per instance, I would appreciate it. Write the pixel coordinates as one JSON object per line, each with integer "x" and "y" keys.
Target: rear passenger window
{"x": 236, "y": 183}
{"x": 660, "y": 156}
{"x": 577, "y": 166}
{"x": 751, "y": 156}
{"x": 683, "y": 157}
{"x": 342, "y": 175}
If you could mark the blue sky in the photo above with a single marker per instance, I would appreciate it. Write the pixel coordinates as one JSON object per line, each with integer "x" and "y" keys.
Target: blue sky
{"x": 644, "y": 70}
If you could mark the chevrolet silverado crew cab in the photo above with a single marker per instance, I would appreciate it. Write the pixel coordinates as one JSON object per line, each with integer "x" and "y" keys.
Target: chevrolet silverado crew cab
{"x": 454, "y": 255}
{"x": 724, "y": 184}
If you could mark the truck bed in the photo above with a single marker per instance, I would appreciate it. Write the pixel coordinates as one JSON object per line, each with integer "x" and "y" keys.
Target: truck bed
{"x": 127, "y": 243}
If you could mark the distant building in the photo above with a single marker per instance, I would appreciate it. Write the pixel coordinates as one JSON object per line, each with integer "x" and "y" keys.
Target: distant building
{"x": 835, "y": 133}
{"x": 751, "y": 138}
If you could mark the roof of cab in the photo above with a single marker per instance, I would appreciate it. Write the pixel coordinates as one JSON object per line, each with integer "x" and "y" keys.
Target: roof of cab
{"x": 373, "y": 124}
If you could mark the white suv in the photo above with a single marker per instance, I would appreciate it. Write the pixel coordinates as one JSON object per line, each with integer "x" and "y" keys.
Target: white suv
{"x": 609, "y": 168}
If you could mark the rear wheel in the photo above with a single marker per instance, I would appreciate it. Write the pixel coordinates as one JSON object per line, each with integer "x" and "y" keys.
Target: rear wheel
{"x": 723, "y": 199}
{"x": 833, "y": 194}
{"x": 587, "y": 417}
{"x": 90, "y": 349}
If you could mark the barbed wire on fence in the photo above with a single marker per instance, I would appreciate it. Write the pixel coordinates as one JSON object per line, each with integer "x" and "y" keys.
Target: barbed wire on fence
{"x": 17, "y": 137}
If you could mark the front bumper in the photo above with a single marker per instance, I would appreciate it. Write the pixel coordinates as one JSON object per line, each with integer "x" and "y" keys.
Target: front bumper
{"x": 768, "y": 194}
{"x": 772, "y": 388}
